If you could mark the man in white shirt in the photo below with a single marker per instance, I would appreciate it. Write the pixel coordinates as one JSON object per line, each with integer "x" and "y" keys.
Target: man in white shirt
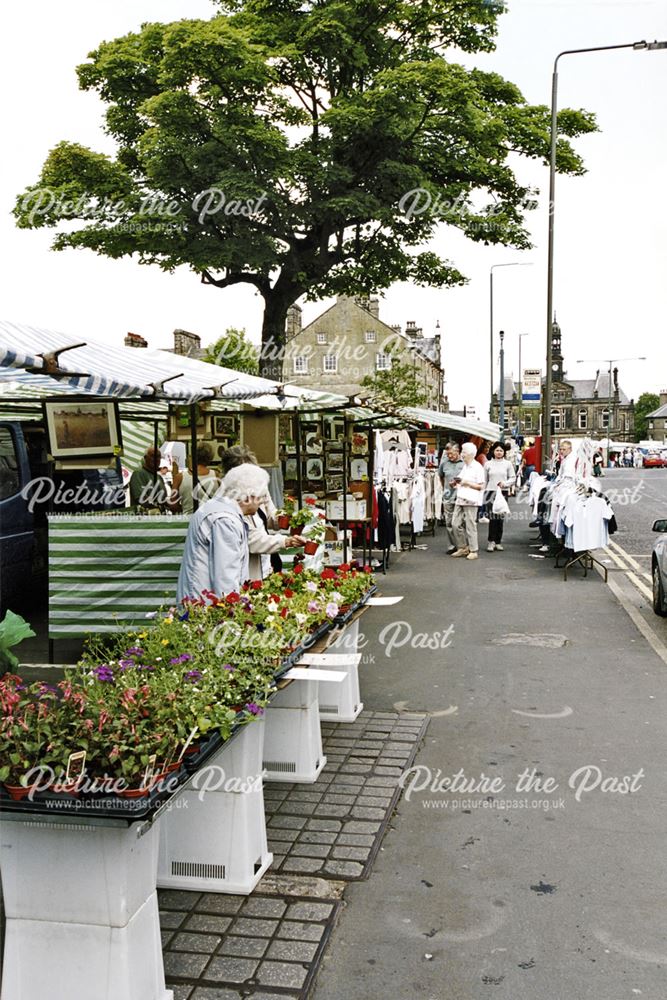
{"x": 469, "y": 496}
{"x": 568, "y": 461}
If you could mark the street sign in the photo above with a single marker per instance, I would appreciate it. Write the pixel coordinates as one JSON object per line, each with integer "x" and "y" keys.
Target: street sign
{"x": 531, "y": 387}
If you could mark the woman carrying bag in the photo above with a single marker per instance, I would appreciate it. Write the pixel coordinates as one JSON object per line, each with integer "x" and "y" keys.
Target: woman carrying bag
{"x": 500, "y": 475}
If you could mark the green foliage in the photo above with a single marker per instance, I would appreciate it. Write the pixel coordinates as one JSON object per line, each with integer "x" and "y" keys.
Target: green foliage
{"x": 13, "y": 630}
{"x": 647, "y": 403}
{"x": 234, "y": 350}
{"x": 397, "y": 386}
{"x": 280, "y": 144}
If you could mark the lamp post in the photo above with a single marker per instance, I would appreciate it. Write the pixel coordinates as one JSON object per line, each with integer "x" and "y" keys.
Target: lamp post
{"x": 521, "y": 336}
{"x": 643, "y": 45}
{"x": 501, "y": 388}
{"x": 610, "y": 362}
{"x": 515, "y": 263}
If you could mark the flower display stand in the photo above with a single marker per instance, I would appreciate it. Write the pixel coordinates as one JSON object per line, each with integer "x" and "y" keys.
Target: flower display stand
{"x": 293, "y": 739}
{"x": 213, "y": 835}
{"x": 338, "y": 702}
{"x": 81, "y": 908}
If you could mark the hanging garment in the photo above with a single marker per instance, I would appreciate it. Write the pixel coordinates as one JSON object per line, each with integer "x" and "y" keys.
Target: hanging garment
{"x": 385, "y": 526}
{"x": 417, "y": 504}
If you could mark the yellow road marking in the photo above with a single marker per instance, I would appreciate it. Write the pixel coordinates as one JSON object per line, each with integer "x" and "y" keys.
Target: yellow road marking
{"x": 632, "y": 561}
{"x": 641, "y": 587}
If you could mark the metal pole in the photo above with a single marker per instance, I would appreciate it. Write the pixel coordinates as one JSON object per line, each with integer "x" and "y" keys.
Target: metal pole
{"x": 491, "y": 342}
{"x": 552, "y": 194}
{"x": 501, "y": 397}
{"x": 611, "y": 361}
{"x": 546, "y": 451}
{"x": 345, "y": 486}
{"x": 299, "y": 477}
{"x": 194, "y": 457}
{"x": 518, "y": 418}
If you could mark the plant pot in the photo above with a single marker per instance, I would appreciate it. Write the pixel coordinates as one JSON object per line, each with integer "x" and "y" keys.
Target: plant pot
{"x": 134, "y": 793}
{"x": 310, "y": 548}
{"x": 18, "y": 792}
{"x": 296, "y": 531}
{"x": 283, "y": 521}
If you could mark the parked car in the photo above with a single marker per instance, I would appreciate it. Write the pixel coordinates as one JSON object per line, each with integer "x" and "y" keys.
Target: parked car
{"x": 654, "y": 461}
{"x": 659, "y": 568}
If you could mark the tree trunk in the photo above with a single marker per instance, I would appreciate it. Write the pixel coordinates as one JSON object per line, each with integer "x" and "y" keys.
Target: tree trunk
{"x": 273, "y": 338}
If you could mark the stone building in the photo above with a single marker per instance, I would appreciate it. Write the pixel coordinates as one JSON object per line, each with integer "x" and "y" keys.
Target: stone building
{"x": 579, "y": 407}
{"x": 349, "y": 341}
{"x": 657, "y": 421}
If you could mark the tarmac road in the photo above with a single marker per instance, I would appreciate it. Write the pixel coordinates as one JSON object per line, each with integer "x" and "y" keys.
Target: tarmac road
{"x": 474, "y": 895}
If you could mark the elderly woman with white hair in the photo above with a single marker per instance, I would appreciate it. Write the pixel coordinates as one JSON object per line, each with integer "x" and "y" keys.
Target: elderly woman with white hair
{"x": 216, "y": 548}
{"x": 469, "y": 496}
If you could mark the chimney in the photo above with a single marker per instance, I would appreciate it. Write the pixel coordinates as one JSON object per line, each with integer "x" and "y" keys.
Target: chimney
{"x": 187, "y": 344}
{"x": 294, "y": 321}
{"x": 134, "y": 340}
{"x": 616, "y": 382}
{"x": 663, "y": 397}
{"x": 374, "y": 307}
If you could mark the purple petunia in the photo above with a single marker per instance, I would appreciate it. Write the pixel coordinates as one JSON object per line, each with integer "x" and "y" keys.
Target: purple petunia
{"x": 228, "y": 666}
{"x": 254, "y": 709}
{"x": 192, "y": 676}
{"x": 134, "y": 651}
{"x": 183, "y": 658}
{"x": 104, "y": 673}
{"x": 331, "y": 610}
{"x": 126, "y": 664}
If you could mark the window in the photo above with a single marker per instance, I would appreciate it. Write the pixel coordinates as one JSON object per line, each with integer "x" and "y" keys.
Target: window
{"x": 604, "y": 418}
{"x": 370, "y": 336}
{"x": 382, "y": 362}
{"x": 9, "y": 471}
{"x": 300, "y": 364}
{"x": 321, "y": 338}
{"x": 330, "y": 363}
{"x": 583, "y": 420}
{"x": 557, "y": 419}
{"x": 528, "y": 421}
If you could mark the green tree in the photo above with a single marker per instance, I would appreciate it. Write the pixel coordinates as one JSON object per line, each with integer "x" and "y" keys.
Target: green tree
{"x": 234, "y": 350}
{"x": 647, "y": 403}
{"x": 303, "y": 147}
{"x": 397, "y": 386}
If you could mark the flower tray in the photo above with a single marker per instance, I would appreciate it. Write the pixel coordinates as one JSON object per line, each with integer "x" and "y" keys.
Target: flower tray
{"x": 345, "y": 617}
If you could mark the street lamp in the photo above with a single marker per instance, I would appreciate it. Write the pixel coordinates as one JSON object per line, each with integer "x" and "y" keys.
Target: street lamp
{"x": 515, "y": 263}
{"x": 501, "y": 388}
{"x": 521, "y": 336}
{"x": 637, "y": 46}
{"x": 610, "y": 362}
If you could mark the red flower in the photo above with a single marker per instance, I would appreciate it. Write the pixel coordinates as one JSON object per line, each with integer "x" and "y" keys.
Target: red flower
{"x": 343, "y": 568}
{"x": 283, "y": 612}
{"x": 328, "y": 574}
{"x": 368, "y": 569}
{"x": 298, "y": 568}
{"x": 310, "y": 501}
{"x": 256, "y": 584}
{"x": 233, "y": 598}
{"x": 288, "y": 593}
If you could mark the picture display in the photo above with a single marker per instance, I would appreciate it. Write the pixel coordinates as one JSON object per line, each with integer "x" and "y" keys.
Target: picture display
{"x": 82, "y": 429}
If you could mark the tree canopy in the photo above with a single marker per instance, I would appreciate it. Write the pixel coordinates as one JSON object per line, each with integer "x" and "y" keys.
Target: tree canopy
{"x": 303, "y": 148}
{"x": 397, "y": 386}
{"x": 647, "y": 403}
{"x": 234, "y": 350}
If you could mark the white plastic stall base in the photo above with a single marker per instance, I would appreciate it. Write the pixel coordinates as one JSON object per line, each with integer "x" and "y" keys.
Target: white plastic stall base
{"x": 346, "y": 638}
{"x": 213, "y": 837}
{"x": 82, "y": 912}
{"x": 293, "y": 740}
{"x": 338, "y": 702}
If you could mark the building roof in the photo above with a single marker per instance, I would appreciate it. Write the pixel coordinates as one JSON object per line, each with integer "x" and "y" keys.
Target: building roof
{"x": 660, "y": 413}
{"x": 585, "y": 388}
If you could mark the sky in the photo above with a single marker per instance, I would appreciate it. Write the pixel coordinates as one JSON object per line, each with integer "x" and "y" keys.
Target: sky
{"x": 610, "y": 273}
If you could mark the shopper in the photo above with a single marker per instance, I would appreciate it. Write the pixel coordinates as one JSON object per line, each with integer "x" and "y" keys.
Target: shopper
{"x": 216, "y": 546}
{"x": 147, "y": 488}
{"x": 449, "y": 469}
{"x": 469, "y": 495}
{"x": 264, "y": 548}
{"x": 597, "y": 463}
{"x": 207, "y": 481}
{"x": 499, "y": 473}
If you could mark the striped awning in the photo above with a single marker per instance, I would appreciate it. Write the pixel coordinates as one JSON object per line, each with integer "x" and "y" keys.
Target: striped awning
{"x": 463, "y": 425}
{"x": 92, "y": 368}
